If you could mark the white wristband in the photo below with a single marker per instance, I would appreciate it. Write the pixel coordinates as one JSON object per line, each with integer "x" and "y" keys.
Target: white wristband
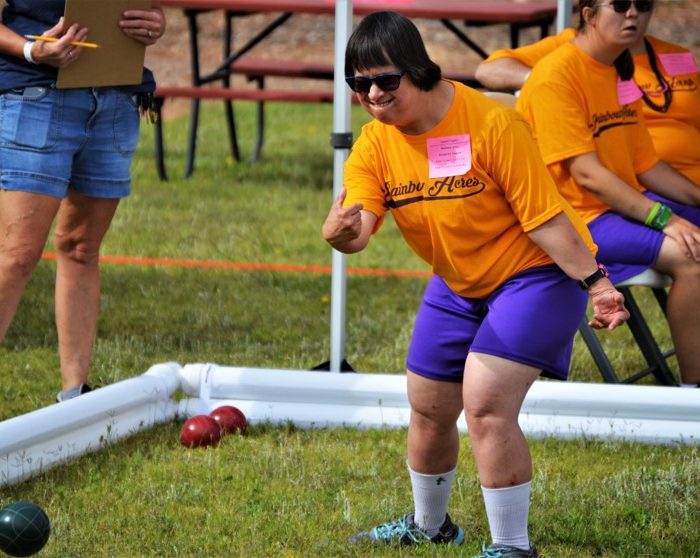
{"x": 28, "y": 52}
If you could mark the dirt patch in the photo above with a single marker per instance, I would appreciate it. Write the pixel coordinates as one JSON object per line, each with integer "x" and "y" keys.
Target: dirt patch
{"x": 310, "y": 37}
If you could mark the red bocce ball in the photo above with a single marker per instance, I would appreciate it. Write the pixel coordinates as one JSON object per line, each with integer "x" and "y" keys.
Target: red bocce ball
{"x": 230, "y": 418}
{"x": 199, "y": 431}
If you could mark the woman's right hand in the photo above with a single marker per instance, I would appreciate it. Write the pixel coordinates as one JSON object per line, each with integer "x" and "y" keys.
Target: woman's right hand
{"x": 61, "y": 53}
{"x": 343, "y": 224}
{"x": 686, "y": 234}
{"x": 347, "y": 229}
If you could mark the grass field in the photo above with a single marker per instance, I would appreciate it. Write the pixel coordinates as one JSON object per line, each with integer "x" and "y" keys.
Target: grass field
{"x": 282, "y": 491}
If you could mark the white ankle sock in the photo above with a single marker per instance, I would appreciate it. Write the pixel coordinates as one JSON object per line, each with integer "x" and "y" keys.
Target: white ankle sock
{"x": 507, "y": 510}
{"x": 431, "y": 494}
{"x": 689, "y": 385}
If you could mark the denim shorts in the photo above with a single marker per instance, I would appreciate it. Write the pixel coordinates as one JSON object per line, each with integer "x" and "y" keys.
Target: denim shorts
{"x": 531, "y": 318}
{"x": 52, "y": 141}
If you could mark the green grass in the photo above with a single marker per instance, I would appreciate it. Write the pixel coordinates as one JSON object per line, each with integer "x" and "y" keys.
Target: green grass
{"x": 280, "y": 491}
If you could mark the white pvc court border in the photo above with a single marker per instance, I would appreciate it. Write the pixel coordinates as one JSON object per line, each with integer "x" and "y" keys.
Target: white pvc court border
{"x": 36, "y": 441}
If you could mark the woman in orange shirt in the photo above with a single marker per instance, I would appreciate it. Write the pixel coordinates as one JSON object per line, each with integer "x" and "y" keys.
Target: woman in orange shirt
{"x": 666, "y": 74}
{"x": 464, "y": 181}
{"x": 586, "y": 113}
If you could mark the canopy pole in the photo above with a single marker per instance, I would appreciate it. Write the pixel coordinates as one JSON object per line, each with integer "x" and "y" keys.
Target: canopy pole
{"x": 341, "y": 140}
{"x": 564, "y": 10}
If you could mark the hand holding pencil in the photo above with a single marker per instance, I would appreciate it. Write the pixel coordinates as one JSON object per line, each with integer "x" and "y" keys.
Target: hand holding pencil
{"x": 55, "y": 40}
{"x": 59, "y": 47}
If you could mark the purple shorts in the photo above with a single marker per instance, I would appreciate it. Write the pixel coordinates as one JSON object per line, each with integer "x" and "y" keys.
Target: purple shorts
{"x": 628, "y": 247}
{"x": 531, "y": 319}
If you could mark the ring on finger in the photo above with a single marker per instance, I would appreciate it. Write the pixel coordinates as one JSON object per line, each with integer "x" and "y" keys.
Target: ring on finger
{"x": 148, "y": 32}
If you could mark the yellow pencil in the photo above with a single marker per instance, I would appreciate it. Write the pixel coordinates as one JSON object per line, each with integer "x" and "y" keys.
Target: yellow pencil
{"x": 54, "y": 39}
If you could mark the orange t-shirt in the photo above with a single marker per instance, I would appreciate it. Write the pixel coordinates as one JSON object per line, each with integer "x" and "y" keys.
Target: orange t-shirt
{"x": 676, "y": 133}
{"x": 571, "y": 102}
{"x": 531, "y": 54}
{"x": 470, "y": 227}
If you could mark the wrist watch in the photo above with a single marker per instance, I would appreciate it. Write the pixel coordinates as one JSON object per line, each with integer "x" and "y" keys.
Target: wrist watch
{"x": 593, "y": 277}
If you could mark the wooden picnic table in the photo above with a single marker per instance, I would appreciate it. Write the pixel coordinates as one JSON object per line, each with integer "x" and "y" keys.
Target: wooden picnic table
{"x": 494, "y": 11}
{"x": 518, "y": 15}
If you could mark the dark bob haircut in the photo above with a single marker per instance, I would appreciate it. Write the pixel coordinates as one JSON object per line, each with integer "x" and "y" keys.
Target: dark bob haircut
{"x": 386, "y": 38}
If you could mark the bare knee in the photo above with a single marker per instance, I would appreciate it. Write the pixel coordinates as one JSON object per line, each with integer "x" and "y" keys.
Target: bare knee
{"x": 690, "y": 271}
{"x": 431, "y": 422}
{"x": 672, "y": 261}
{"x": 484, "y": 421}
{"x": 76, "y": 248}
{"x": 19, "y": 261}
{"x": 682, "y": 270}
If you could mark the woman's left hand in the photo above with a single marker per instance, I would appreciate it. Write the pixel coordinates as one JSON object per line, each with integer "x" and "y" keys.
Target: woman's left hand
{"x": 608, "y": 307}
{"x": 144, "y": 26}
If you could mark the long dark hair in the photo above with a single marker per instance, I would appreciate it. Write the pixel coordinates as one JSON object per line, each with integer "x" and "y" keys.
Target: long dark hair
{"x": 665, "y": 87}
{"x": 386, "y": 38}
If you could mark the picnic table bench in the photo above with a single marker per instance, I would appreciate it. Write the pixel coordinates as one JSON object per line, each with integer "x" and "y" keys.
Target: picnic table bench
{"x": 256, "y": 70}
{"x": 518, "y": 15}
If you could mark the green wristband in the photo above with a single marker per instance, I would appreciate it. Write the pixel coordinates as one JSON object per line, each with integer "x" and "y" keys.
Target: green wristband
{"x": 652, "y": 214}
{"x": 661, "y": 218}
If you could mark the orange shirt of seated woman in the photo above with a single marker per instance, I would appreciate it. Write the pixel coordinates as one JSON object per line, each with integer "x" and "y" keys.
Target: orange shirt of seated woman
{"x": 666, "y": 73}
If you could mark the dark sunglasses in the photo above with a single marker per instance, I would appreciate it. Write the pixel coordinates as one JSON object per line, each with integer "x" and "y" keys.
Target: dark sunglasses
{"x": 386, "y": 82}
{"x": 621, "y": 6}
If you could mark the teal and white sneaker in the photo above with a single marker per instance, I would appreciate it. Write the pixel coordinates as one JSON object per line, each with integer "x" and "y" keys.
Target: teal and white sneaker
{"x": 503, "y": 551}
{"x": 405, "y": 531}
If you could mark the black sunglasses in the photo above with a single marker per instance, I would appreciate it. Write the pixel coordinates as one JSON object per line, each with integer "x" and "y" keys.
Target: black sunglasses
{"x": 386, "y": 82}
{"x": 621, "y": 6}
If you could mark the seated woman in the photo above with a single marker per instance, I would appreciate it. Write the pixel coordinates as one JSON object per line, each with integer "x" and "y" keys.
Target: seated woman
{"x": 592, "y": 135}
{"x": 466, "y": 186}
{"x": 666, "y": 74}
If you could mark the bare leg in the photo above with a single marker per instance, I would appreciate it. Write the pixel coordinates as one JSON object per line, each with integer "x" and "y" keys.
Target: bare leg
{"x": 433, "y": 440}
{"x": 683, "y": 308}
{"x": 81, "y": 225}
{"x": 433, "y": 448}
{"x": 25, "y": 221}
{"x": 494, "y": 390}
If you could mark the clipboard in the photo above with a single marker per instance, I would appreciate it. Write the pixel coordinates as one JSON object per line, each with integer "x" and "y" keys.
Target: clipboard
{"x": 119, "y": 60}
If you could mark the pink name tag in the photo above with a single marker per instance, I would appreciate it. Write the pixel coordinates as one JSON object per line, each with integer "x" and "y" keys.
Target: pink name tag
{"x": 679, "y": 63}
{"x": 449, "y": 156}
{"x": 627, "y": 91}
